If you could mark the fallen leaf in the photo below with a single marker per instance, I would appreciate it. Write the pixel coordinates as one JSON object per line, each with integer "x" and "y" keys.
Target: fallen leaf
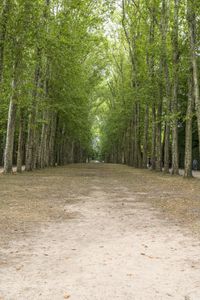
{"x": 18, "y": 268}
{"x": 153, "y": 257}
{"x": 66, "y": 296}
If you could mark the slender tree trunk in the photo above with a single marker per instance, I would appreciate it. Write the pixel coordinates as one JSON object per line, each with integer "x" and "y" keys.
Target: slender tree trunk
{"x": 175, "y": 156}
{"x": 62, "y": 146}
{"x": 3, "y": 148}
{"x": 159, "y": 163}
{"x": 72, "y": 152}
{"x": 146, "y": 136}
{"x": 153, "y": 146}
{"x": 58, "y": 140}
{"x": 135, "y": 158}
{"x": 167, "y": 123}
{"x": 151, "y": 64}
{"x": 44, "y": 149}
{"x": 137, "y": 161}
{"x": 8, "y": 155}
{"x": 3, "y": 30}
{"x": 139, "y": 152}
{"x": 159, "y": 137}
{"x": 130, "y": 143}
{"x": 32, "y": 117}
{"x": 165, "y": 67}
{"x": 166, "y": 149}
{"x": 123, "y": 149}
{"x": 20, "y": 142}
{"x": 52, "y": 140}
{"x": 188, "y": 131}
{"x": 43, "y": 143}
{"x": 133, "y": 141}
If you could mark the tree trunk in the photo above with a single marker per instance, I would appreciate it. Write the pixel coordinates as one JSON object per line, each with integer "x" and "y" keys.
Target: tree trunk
{"x": 188, "y": 131}
{"x": 8, "y": 155}
{"x": 52, "y": 140}
{"x": 32, "y": 117}
{"x": 164, "y": 30}
{"x": 71, "y": 158}
{"x": 159, "y": 163}
{"x": 151, "y": 71}
{"x": 123, "y": 149}
{"x": 153, "y": 142}
{"x": 3, "y": 30}
{"x": 139, "y": 153}
{"x": 3, "y": 145}
{"x": 175, "y": 156}
{"x": 43, "y": 143}
{"x": 166, "y": 148}
{"x": 20, "y": 142}
{"x": 159, "y": 137}
{"x": 135, "y": 141}
{"x": 146, "y": 136}
{"x": 130, "y": 144}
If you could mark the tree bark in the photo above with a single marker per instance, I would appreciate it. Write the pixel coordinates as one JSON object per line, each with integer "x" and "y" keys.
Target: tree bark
{"x": 20, "y": 142}
{"x": 146, "y": 136}
{"x": 188, "y": 131}
{"x": 44, "y": 149}
{"x": 130, "y": 143}
{"x": 8, "y": 155}
{"x": 135, "y": 141}
{"x": 151, "y": 64}
{"x": 139, "y": 152}
{"x": 164, "y": 30}
{"x": 43, "y": 143}
{"x": 52, "y": 140}
{"x": 3, "y": 30}
{"x": 159, "y": 137}
{"x": 175, "y": 156}
{"x": 159, "y": 163}
{"x": 32, "y": 117}
{"x": 153, "y": 142}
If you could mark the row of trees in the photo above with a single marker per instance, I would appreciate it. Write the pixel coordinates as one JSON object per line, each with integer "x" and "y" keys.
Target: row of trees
{"x": 50, "y": 63}
{"x": 153, "y": 107}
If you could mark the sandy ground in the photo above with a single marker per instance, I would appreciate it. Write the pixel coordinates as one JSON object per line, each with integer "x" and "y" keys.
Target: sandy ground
{"x": 196, "y": 174}
{"x": 99, "y": 232}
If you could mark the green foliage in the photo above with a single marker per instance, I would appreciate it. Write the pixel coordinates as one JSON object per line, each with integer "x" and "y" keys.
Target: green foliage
{"x": 67, "y": 36}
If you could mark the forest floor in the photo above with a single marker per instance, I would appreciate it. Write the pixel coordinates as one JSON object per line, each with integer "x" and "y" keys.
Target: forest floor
{"x": 99, "y": 232}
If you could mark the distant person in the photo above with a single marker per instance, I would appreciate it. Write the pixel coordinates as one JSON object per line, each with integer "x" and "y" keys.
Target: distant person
{"x": 195, "y": 164}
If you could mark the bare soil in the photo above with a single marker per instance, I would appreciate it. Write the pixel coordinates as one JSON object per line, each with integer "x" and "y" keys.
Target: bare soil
{"x": 99, "y": 232}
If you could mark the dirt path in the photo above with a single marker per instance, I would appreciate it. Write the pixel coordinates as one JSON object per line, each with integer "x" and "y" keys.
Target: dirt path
{"x": 92, "y": 232}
